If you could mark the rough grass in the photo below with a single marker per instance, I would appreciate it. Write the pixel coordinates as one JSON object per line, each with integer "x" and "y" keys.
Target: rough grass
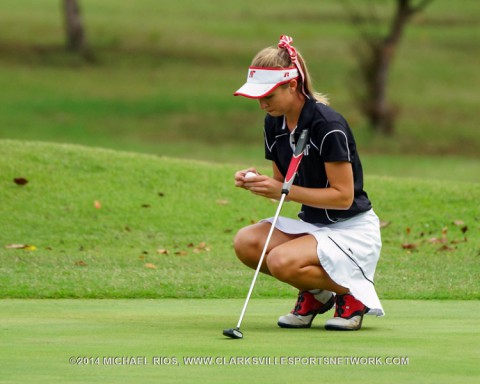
{"x": 107, "y": 224}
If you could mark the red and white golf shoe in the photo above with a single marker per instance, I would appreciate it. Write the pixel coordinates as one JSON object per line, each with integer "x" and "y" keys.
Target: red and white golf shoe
{"x": 348, "y": 314}
{"x": 309, "y": 304}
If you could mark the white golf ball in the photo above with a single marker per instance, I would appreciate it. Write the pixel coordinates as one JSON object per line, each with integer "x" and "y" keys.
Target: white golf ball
{"x": 250, "y": 174}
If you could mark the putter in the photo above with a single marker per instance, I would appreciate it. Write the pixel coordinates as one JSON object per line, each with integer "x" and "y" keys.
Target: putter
{"x": 235, "y": 333}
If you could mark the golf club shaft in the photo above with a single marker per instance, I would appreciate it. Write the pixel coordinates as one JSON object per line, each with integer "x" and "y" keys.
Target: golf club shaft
{"x": 260, "y": 262}
{"x": 291, "y": 172}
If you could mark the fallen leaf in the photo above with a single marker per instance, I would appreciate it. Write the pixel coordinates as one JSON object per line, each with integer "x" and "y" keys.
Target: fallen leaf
{"x": 15, "y": 246}
{"x": 384, "y": 224}
{"x": 150, "y": 266}
{"x": 97, "y": 204}
{"x": 162, "y": 251}
{"x": 21, "y": 246}
{"x": 446, "y": 248}
{"x": 408, "y": 230}
{"x": 444, "y": 232}
{"x": 81, "y": 263}
{"x": 409, "y": 246}
{"x": 222, "y": 202}
{"x": 161, "y": 194}
{"x": 464, "y": 229}
{"x": 202, "y": 247}
{"x": 181, "y": 253}
{"x": 20, "y": 181}
{"x": 458, "y": 223}
{"x": 436, "y": 240}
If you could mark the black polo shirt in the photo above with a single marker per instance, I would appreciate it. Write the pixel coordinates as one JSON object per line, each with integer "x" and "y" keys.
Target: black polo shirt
{"x": 331, "y": 140}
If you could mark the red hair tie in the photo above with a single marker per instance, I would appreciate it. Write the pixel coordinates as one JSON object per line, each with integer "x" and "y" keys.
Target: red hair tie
{"x": 286, "y": 43}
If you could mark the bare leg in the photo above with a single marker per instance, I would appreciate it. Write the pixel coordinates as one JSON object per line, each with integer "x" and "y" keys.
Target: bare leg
{"x": 296, "y": 262}
{"x": 250, "y": 240}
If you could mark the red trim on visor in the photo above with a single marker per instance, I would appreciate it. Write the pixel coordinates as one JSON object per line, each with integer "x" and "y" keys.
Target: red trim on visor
{"x": 266, "y": 93}
{"x": 274, "y": 68}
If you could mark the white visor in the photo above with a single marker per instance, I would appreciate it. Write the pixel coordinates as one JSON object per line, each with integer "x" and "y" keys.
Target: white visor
{"x": 261, "y": 81}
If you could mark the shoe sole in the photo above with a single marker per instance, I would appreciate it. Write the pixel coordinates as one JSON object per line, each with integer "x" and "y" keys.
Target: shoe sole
{"x": 339, "y": 328}
{"x": 328, "y": 305}
{"x": 290, "y": 326}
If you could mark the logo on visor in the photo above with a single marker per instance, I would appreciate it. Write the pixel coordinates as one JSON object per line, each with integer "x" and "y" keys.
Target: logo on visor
{"x": 286, "y": 74}
{"x": 252, "y": 72}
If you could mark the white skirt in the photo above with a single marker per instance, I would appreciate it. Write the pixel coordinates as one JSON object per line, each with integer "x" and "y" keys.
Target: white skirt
{"x": 348, "y": 251}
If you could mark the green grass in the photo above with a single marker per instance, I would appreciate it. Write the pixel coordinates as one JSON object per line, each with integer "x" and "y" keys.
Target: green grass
{"x": 431, "y": 342}
{"x": 165, "y": 72}
{"x": 192, "y": 210}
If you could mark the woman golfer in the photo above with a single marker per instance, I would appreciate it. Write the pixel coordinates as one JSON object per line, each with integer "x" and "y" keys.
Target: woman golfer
{"x": 331, "y": 252}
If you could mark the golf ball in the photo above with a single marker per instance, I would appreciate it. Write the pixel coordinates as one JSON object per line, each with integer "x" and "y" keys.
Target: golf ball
{"x": 250, "y": 174}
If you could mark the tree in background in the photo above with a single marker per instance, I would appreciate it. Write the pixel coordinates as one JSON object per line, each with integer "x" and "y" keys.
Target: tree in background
{"x": 375, "y": 56}
{"x": 75, "y": 33}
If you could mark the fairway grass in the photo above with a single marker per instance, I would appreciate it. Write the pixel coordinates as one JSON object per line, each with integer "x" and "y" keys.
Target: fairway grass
{"x": 418, "y": 341}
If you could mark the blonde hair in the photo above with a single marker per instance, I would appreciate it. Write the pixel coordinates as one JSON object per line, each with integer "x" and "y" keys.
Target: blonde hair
{"x": 272, "y": 57}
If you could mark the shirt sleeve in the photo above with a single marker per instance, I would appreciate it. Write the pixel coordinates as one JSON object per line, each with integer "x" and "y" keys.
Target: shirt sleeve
{"x": 334, "y": 144}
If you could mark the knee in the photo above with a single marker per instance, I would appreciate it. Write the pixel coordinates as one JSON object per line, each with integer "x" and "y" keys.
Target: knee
{"x": 247, "y": 245}
{"x": 280, "y": 264}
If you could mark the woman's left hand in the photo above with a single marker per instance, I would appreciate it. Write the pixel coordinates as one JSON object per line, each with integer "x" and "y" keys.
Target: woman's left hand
{"x": 265, "y": 186}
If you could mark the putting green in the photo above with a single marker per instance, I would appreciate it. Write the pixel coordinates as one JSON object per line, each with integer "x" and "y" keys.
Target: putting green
{"x": 180, "y": 341}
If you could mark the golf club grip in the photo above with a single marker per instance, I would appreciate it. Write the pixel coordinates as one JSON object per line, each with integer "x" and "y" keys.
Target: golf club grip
{"x": 295, "y": 161}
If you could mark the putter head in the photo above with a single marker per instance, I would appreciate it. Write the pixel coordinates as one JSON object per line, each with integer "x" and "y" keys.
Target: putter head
{"x": 233, "y": 333}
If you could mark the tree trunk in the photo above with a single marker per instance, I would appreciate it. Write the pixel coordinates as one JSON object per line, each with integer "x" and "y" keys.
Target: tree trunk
{"x": 382, "y": 114}
{"x": 375, "y": 65}
{"x": 74, "y": 27}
